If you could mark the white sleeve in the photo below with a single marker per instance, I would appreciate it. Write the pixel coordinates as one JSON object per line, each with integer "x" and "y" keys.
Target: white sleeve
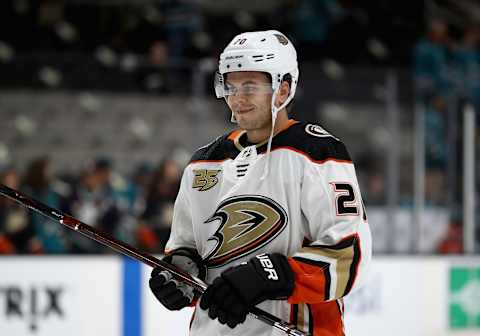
{"x": 182, "y": 227}
{"x": 337, "y": 250}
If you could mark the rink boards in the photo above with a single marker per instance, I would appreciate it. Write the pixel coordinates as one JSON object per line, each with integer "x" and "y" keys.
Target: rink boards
{"x": 108, "y": 295}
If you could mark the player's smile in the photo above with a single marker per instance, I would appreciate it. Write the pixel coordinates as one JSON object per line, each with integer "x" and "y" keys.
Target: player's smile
{"x": 244, "y": 110}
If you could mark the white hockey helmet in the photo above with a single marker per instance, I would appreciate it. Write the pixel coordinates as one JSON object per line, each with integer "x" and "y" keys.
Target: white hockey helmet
{"x": 265, "y": 51}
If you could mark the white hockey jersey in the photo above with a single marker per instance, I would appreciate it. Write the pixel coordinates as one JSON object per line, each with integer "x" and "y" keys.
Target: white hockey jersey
{"x": 308, "y": 208}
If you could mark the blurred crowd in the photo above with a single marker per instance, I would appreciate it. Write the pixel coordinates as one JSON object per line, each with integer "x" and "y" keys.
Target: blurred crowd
{"x": 151, "y": 45}
{"x": 134, "y": 45}
{"x": 174, "y": 30}
{"x": 136, "y": 209}
{"x": 447, "y": 74}
{"x": 446, "y": 65}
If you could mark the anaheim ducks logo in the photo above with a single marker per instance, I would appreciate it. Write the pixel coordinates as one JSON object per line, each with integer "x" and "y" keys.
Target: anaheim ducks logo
{"x": 246, "y": 223}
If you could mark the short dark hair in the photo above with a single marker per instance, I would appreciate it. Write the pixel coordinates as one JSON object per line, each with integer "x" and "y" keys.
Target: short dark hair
{"x": 288, "y": 78}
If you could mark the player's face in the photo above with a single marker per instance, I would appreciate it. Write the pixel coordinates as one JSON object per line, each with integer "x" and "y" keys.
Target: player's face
{"x": 251, "y": 101}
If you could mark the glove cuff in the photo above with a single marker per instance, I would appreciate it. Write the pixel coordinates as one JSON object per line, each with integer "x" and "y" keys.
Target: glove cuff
{"x": 276, "y": 271}
{"x": 183, "y": 258}
{"x": 264, "y": 277}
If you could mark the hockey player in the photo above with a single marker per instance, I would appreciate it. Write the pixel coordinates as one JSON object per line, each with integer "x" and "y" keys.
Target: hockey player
{"x": 270, "y": 214}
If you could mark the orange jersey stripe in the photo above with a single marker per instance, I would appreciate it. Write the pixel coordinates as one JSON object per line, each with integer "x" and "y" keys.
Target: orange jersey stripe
{"x": 309, "y": 283}
{"x": 235, "y": 134}
{"x": 321, "y": 319}
{"x": 290, "y": 122}
{"x": 287, "y": 148}
{"x": 327, "y": 319}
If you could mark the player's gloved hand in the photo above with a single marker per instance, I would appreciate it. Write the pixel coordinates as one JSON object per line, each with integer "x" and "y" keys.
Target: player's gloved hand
{"x": 231, "y": 295}
{"x": 175, "y": 295}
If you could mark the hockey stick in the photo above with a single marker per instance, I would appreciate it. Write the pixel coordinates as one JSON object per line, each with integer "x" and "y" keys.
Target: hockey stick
{"x": 132, "y": 252}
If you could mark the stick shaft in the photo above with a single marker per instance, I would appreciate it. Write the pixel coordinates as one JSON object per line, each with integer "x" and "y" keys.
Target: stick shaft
{"x": 99, "y": 236}
{"x": 132, "y": 252}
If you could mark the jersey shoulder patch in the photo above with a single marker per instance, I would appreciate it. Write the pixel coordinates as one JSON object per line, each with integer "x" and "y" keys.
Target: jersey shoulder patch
{"x": 318, "y": 131}
{"x": 314, "y": 141}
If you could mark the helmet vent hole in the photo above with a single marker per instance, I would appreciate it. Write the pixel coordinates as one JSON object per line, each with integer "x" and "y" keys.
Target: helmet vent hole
{"x": 263, "y": 40}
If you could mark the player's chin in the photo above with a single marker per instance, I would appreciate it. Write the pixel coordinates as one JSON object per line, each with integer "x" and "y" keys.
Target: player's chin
{"x": 244, "y": 122}
{"x": 240, "y": 118}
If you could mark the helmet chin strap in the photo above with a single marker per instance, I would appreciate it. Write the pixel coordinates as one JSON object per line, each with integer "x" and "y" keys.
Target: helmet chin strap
{"x": 274, "y": 111}
{"x": 270, "y": 139}
{"x": 232, "y": 116}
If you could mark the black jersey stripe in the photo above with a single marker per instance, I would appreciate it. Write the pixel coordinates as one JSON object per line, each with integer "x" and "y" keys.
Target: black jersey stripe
{"x": 351, "y": 242}
{"x": 310, "y": 319}
{"x": 317, "y": 148}
{"x": 294, "y": 320}
{"x": 295, "y": 137}
{"x": 344, "y": 243}
{"x": 357, "y": 256}
{"x": 220, "y": 149}
{"x": 347, "y": 253}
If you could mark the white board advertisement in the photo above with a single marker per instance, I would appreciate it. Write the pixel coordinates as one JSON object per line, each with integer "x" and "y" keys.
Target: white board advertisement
{"x": 400, "y": 297}
{"x": 42, "y": 296}
{"x": 86, "y": 296}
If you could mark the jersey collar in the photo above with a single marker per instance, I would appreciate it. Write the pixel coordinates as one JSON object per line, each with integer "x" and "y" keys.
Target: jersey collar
{"x": 239, "y": 137}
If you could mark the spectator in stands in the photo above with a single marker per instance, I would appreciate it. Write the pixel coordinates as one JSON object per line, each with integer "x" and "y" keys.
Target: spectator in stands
{"x": 16, "y": 231}
{"x": 141, "y": 181}
{"x": 38, "y": 183}
{"x": 311, "y": 22}
{"x": 183, "y": 18}
{"x": 435, "y": 150}
{"x": 157, "y": 76}
{"x": 436, "y": 133}
{"x": 93, "y": 202}
{"x": 433, "y": 69}
{"x": 467, "y": 64}
{"x": 431, "y": 64}
{"x": 154, "y": 227}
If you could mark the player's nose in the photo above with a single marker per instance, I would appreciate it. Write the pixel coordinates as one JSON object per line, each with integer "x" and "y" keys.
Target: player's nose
{"x": 236, "y": 101}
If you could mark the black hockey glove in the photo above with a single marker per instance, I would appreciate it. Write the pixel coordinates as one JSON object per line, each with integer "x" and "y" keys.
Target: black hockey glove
{"x": 238, "y": 289}
{"x": 175, "y": 295}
